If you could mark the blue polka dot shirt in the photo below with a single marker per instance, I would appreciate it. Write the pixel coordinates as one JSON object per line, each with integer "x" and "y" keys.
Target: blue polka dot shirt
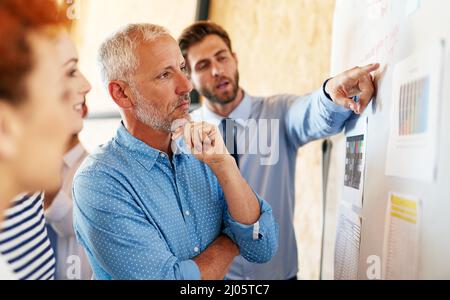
{"x": 141, "y": 216}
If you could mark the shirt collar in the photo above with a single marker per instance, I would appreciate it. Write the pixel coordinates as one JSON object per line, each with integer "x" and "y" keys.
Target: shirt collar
{"x": 74, "y": 155}
{"x": 143, "y": 152}
{"x": 240, "y": 114}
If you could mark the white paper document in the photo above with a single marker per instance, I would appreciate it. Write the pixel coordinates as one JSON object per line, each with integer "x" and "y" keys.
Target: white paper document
{"x": 346, "y": 255}
{"x": 355, "y": 161}
{"x": 401, "y": 238}
{"x": 416, "y": 99}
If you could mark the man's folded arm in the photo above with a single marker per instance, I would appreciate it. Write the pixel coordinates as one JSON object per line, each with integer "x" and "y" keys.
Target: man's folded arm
{"x": 257, "y": 242}
{"x": 216, "y": 260}
{"x": 125, "y": 244}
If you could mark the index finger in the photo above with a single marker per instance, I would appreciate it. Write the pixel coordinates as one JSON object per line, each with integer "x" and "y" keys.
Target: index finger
{"x": 363, "y": 71}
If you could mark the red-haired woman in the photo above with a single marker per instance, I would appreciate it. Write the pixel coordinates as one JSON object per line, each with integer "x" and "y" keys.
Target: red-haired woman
{"x": 34, "y": 130}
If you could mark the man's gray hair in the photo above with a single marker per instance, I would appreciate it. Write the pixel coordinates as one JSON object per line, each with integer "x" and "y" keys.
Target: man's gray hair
{"x": 117, "y": 59}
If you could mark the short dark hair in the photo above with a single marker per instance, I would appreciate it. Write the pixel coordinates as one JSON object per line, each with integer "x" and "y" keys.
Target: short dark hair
{"x": 18, "y": 18}
{"x": 197, "y": 32}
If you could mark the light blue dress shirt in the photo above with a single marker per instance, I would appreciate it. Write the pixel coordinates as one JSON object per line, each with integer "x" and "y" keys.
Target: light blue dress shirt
{"x": 270, "y": 171}
{"x": 140, "y": 216}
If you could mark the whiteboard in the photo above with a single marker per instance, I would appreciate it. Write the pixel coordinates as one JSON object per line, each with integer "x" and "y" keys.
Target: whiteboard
{"x": 388, "y": 32}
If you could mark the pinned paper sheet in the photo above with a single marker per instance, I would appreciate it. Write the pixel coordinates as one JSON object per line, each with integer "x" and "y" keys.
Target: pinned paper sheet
{"x": 401, "y": 239}
{"x": 416, "y": 99}
{"x": 355, "y": 161}
{"x": 346, "y": 256}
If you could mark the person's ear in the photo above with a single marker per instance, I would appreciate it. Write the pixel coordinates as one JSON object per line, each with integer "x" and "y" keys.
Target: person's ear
{"x": 121, "y": 93}
{"x": 8, "y": 131}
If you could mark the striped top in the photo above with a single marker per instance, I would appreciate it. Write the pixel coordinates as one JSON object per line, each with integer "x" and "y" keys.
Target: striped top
{"x": 24, "y": 242}
{"x": 5, "y": 273}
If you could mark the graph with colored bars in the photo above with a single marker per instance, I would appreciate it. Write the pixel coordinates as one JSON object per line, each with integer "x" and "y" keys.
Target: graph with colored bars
{"x": 354, "y": 161}
{"x": 413, "y": 107}
{"x": 402, "y": 240}
{"x": 404, "y": 209}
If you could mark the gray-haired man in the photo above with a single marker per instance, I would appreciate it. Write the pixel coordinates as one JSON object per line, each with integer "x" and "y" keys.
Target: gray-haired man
{"x": 145, "y": 207}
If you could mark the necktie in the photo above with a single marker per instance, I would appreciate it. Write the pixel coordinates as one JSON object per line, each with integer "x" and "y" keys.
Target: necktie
{"x": 229, "y": 134}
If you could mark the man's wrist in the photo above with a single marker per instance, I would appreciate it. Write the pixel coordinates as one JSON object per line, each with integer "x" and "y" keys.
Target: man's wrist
{"x": 226, "y": 164}
{"x": 324, "y": 88}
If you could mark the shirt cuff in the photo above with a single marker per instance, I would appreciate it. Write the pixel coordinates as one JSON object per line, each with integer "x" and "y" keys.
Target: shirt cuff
{"x": 329, "y": 104}
{"x": 60, "y": 207}
{"x": 253, "y": 231}
{"x": 244, "y": 231}
{"x": 189, "y": 270}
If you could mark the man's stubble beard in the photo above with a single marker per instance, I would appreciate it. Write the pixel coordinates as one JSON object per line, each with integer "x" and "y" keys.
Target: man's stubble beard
{"x": 148, "y": 114}
{"x": 208, "y": 94}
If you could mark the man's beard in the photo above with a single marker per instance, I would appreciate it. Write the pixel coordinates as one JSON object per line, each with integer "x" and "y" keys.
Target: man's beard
{"x": 209, "y": 94}
{"x": 148, "y": 114}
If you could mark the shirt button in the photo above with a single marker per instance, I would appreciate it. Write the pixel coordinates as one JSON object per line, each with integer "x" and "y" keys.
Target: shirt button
{"x": 187, "y": 213}
{"x": 196, "y": 249}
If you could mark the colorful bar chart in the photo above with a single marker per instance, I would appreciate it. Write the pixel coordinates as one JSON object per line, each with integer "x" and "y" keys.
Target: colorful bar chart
{"x": 413, "y": 107}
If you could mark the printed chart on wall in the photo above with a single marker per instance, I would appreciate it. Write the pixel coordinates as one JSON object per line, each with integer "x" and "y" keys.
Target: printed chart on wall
{"x": 412, "y": 146}
{"x": 401, "y": 242}
{"x": 355, "y": 161}
{"x": 346, "y": 255}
